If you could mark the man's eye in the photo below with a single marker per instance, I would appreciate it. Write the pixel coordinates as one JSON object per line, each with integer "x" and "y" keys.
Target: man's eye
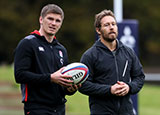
{"x": 58, "y": 20}
{"x": 106, "y": 25}
{"x": 113, "y": 24}
{"x": 50, "y": 18}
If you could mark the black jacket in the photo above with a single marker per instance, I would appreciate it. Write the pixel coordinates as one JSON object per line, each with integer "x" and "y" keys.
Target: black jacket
{"x": 106, "y": 68}
{"x": 35, "y": 59}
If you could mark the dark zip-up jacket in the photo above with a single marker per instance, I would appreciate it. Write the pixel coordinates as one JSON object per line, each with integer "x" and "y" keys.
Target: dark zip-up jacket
{"x": 35, "y": 59}
{"x": 106, "y": 68}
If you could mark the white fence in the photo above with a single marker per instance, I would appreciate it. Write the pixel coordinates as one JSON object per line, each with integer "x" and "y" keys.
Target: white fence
{"x": 153, "y": 78}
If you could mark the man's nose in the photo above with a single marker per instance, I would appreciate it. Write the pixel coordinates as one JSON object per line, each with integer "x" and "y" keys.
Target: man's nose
{"x": 111, "y": 26}
{"x": 53, "y": 22}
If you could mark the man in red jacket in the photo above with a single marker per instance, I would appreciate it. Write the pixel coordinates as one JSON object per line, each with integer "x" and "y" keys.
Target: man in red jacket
{"x": 39, "y": 61}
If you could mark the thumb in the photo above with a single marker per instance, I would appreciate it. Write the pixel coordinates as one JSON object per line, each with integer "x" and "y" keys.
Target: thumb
{"x": 120, "y": 83}
{"x": 61, "y": 69}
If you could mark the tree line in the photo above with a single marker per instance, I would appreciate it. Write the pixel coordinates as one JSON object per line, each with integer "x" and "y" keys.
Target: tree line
{"x": 20, "y": 17}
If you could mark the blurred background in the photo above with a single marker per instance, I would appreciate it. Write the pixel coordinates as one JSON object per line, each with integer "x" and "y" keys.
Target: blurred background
{"x": 20, "y": 17}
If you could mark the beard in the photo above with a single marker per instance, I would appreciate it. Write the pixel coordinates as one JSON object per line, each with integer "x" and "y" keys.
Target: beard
{"x": 108, "y": 37}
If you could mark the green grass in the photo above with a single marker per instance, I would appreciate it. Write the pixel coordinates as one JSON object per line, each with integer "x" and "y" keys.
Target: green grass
{"x": 149, "y": 102}
{"x": 77, "y": 104}
{"x": 6, "y": 73}
{"x": 148, "y": 97}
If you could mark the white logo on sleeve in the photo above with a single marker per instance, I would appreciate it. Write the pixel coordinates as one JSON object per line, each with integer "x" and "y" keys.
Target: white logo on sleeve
{"x": 61, "y": 55}
{"x": 41, "y": 48}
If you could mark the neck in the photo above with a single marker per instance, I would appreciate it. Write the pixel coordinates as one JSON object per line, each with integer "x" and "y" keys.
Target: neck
{"x": 110, "y": 45}
{"x": 48, "y": 37}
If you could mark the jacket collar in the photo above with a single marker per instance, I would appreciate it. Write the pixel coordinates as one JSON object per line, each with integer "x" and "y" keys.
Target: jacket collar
{"x": 38, "y": 35}
{"x": 98, "y": 43}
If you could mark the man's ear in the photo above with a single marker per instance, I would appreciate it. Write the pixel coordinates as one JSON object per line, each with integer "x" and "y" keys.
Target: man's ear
{"x": 40, "y": 19}
{"x": 98, "y": 31}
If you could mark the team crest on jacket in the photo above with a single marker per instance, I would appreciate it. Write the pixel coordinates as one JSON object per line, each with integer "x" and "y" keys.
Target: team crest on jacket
{"x": 41, "y": 48}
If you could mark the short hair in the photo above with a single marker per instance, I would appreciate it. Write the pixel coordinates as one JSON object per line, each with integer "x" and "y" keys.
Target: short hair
{"x": 52, "y": 8}
{"x": 100, "y": 15}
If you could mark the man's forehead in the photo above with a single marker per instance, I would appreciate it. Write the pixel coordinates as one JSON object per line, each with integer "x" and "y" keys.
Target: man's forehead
{"x": 108, "y": 19}
{"x": 54, "y": 15}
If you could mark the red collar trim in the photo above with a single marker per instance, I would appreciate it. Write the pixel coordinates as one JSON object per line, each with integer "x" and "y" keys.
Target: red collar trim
{"x": 38, "y": 33}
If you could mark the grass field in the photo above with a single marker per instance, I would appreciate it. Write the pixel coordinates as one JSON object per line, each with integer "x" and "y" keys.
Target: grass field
{"x": 149, "y": 102}
{"x": 10, "y": 98}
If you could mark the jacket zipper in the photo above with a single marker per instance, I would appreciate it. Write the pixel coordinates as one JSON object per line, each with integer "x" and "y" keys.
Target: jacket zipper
{"x": 115, "y": 60}
{"x": 52, "y": 56}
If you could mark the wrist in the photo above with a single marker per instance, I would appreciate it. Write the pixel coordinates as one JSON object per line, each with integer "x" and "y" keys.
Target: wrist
{"x": 51, "y": 77}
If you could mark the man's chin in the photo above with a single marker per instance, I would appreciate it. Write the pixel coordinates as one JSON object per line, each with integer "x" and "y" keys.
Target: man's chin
{"x": 109, "y": 39}
{"x": 51, "y": 33}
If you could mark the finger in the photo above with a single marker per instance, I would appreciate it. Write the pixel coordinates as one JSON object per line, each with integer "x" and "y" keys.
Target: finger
{"x": 120, "y": 83}
{"x": 69, "y": 89}
{"x": 65, "y": 84}
{"x": 66, "y": 76}
{"x": 72, "y": 88}
{"x": 67, "y": 80}
{"x": 79, "y": 85}
{"x": 114, "y": 89}
{"x": 120, "y": 91}
{"x": 61, "y": 69}
{"x": 75, "y": 87}
{"x": 122, "y": 94}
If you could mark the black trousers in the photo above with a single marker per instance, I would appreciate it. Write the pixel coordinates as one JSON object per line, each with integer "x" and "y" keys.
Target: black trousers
{"x": 37, "y": 109}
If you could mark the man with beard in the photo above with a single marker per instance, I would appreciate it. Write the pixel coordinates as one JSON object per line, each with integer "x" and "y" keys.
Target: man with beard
{"x": 115, "y": 71}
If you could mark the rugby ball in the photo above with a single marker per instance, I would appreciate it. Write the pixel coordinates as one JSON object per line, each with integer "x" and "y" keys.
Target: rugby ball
{"x": 78, "y": 71}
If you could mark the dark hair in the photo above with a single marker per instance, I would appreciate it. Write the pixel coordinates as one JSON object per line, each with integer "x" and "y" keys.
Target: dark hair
{"x": 100, "y": 15}
{"x": 52, "y": 8}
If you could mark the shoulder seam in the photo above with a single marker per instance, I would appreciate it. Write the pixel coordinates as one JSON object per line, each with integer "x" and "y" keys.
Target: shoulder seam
{"x": 29, "y": 37}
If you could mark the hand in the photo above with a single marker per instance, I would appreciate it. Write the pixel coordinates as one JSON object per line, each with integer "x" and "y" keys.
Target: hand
{"x": 124, "y": 90}
{"x": 59, "y": 78}
{"x": 74, "y": 88}
{"x": 115, "y": 88}
{"x": 120, "y": 89}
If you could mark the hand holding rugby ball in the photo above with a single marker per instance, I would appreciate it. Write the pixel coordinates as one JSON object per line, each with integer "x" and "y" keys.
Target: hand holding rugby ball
{"x": 78, "y": 71}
